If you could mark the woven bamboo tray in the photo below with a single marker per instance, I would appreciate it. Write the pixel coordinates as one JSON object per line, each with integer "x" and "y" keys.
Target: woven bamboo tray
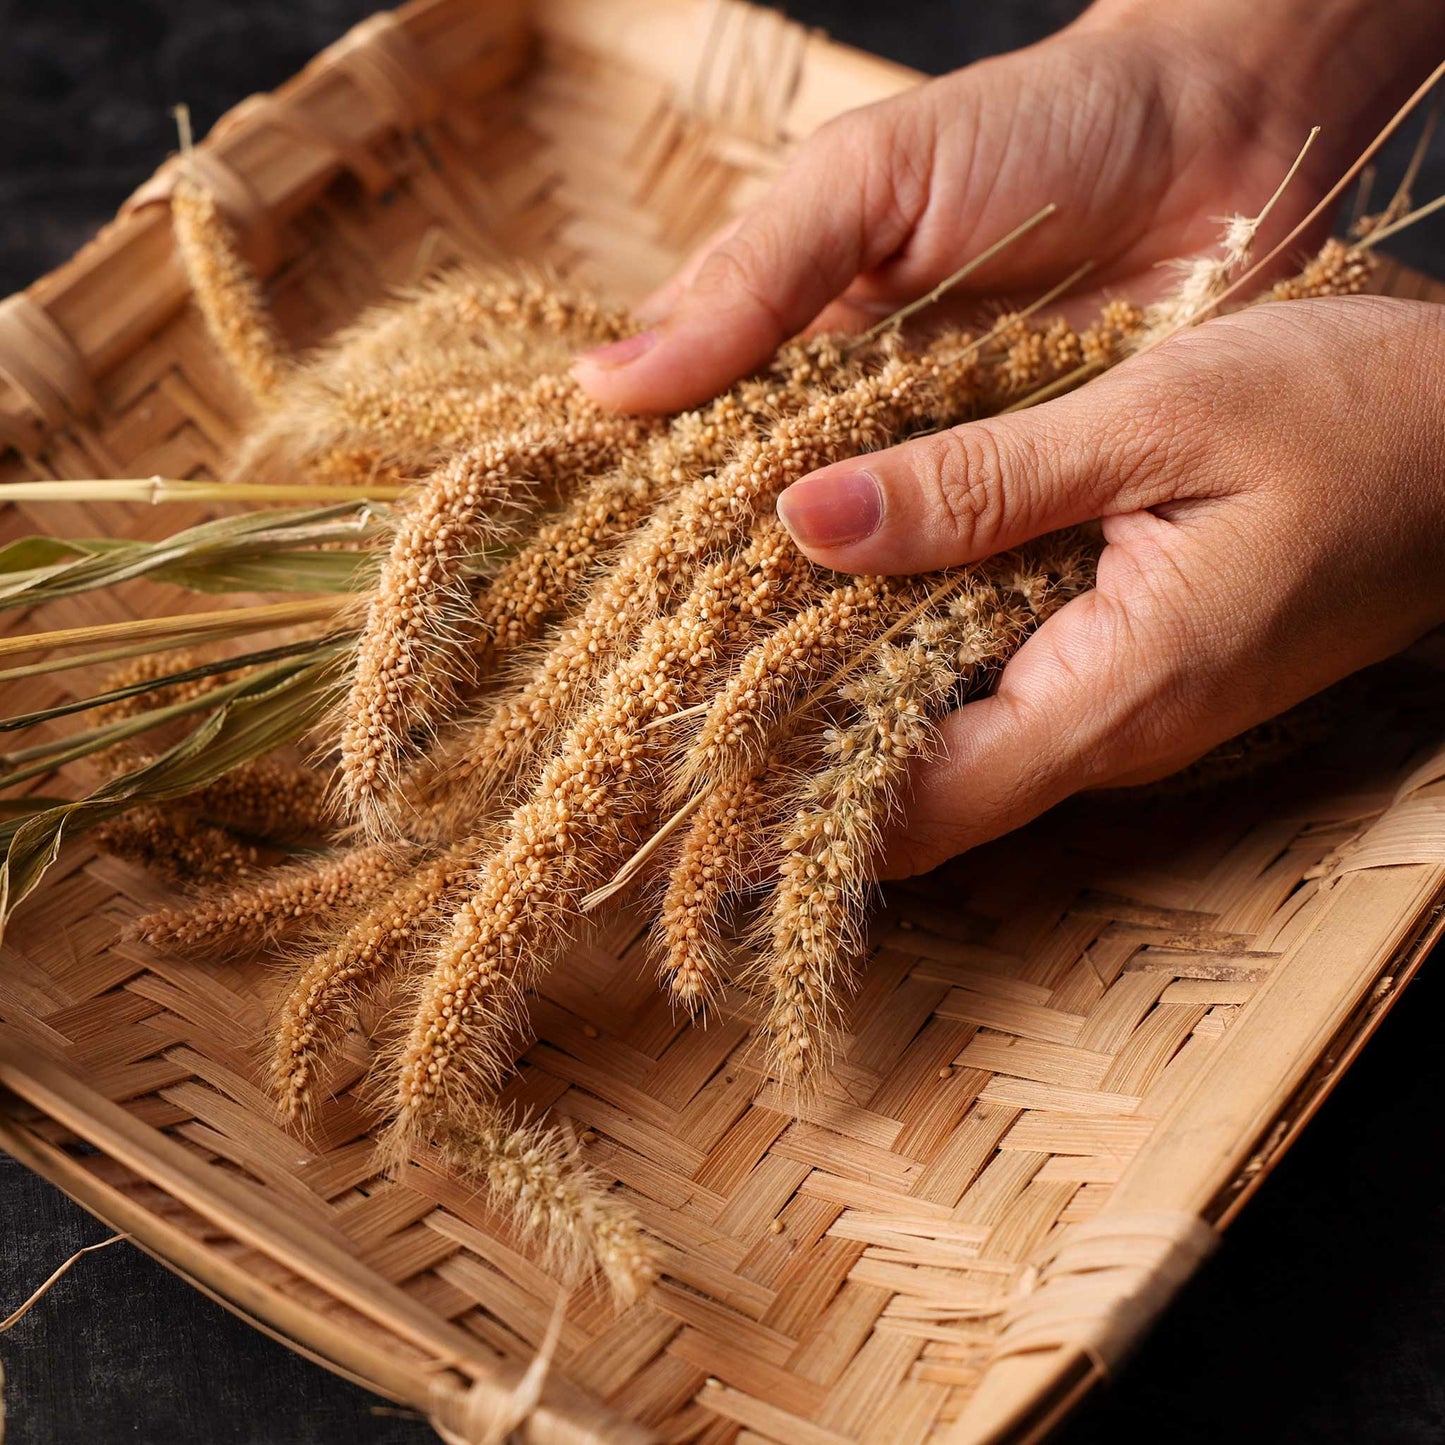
{"x": 1075, "y": 1053}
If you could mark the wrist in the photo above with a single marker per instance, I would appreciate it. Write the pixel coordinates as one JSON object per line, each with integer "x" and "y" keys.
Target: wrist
{"x": 1287, "y": 65}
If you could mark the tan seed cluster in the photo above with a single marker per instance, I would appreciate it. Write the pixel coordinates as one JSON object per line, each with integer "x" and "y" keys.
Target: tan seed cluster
{"x": 253, "y": 914}
{"x": 739, "y": 729}
{"x": 178, "y": 846}
{"x": 1337, "y": 269}
{"x": 267, "y": 798}
{"x": 722, "y": 846}
{"x": 815, "y": 929}
{"x": 365, "y": 956}
{"x": 591, "y": 804}
{"x": 816, "y": 924}
{"x": 549, "y": 571}
{"x": 905, "y": 391}
{"x": 226, "y": 292}
{"x": 413, "y": 656}
{"x": 552, "y": 1197}
{"x": 390, "y": 396}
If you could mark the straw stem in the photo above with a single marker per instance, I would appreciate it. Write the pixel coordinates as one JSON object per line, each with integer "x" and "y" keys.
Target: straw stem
{"x": 157, "y": 490}
{"x": 230, "y": 621}
{"x": 963, "y": 272}
{"x": 56, "y": 1275}
{"x": 1385, "y": 232}
{"x": 1335, "y": 191}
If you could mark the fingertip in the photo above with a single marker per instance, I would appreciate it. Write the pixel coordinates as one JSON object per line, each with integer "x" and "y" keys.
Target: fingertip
{"x": 832, "y": 509}
{"x": 604, "y": 387}
{"x": 907, "y": 854}
{"x": 860, "y": 516}
{"x": 610, "y": 374}
{"x": 616, "y": 355}
{"x": 662, "y": 370}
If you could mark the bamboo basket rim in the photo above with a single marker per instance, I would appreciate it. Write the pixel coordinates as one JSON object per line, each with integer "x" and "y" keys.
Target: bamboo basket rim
{"x": 1370, "y": 914}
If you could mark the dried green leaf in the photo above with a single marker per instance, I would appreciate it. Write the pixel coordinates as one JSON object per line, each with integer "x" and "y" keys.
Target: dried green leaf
{"x": 307, "y": 646}
{"x": 52, "y": 753}
{"x": 29, "y": 555}
{"x": 255, "y": 552}
{"x": 278, "y": 571}
{"x": 270, "y": 709}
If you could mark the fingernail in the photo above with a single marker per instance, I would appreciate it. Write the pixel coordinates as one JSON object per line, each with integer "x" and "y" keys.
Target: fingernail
{"x": 620, "y": 353}
{"x": 831, "y": 511}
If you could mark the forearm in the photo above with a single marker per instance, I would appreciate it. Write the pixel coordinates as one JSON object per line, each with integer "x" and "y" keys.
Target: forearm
{"x": 1343, "y": 64}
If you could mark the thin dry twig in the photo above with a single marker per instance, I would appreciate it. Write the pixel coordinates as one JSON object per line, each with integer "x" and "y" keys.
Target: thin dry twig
{"x": 54, "y": 1278}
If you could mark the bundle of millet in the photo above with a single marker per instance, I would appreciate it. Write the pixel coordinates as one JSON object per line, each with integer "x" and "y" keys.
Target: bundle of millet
{"x": 654, "y": 689}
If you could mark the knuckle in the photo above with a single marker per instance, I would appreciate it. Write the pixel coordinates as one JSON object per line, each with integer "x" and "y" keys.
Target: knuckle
{"x": 736, "y": 273}
{"x": 843, "y": 135}
{"x": 1148, "y": 439}
{"x": 1145, "y": 455}
{"x": 878, "y": 160}
{"x": 965, "y": 482}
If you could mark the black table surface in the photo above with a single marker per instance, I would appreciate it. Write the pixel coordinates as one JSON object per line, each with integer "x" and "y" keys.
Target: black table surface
{"x": 1322, "y": 1317}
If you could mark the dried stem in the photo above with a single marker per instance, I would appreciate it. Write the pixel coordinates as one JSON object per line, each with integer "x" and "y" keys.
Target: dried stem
{"x": 228, "y": 622}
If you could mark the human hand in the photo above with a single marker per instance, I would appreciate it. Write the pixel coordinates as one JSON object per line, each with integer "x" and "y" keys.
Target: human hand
{"x": 1143, "y": 123}
{"x": 1273, "y": 510}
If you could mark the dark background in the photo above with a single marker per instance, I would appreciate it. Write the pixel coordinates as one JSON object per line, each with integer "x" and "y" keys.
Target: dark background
{"x": 1321, "y": 1319}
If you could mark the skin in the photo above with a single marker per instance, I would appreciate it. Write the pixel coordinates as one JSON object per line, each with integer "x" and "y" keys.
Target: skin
{"x": 1269, "y": 484}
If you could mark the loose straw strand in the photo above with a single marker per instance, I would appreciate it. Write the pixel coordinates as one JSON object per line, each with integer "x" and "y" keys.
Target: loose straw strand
{"x": 59, "y": 1273}
{"x": 967, "y": 269}
{"x": 158, "y": 490}
{"x": 1335, "y": 191}
{"x": 489, "y": 1420}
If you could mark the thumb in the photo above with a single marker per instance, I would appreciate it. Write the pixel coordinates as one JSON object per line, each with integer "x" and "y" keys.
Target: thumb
{"x": 985, "y": 486}
{"x": 837, "y": 212}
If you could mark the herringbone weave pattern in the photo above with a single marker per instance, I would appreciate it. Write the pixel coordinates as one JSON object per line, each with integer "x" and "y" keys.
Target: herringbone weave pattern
{"x": 1072, "y": 1054}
